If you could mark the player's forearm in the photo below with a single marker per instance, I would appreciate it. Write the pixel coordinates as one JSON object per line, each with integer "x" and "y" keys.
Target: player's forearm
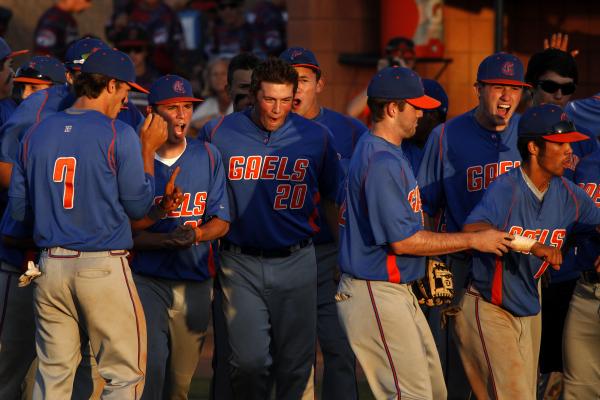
{"x": 148, "y": 158}
{"x": 213, "y": 229}
{"x": 5, "y": 173}
{"x": 426, "y": 243}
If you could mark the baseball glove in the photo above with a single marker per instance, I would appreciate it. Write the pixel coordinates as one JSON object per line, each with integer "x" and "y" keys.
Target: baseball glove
{"x": 436, "y": 287}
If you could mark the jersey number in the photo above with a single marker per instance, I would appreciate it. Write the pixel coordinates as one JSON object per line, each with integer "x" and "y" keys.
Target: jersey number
{"x": 298, "y": 193}
{"x": 64, "y": 171}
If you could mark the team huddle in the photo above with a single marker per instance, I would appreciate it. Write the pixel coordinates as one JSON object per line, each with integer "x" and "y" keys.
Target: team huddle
{"x": 288, "y": 224}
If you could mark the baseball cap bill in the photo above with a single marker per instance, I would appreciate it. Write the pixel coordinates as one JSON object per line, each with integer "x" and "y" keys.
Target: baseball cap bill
{"x": 549, "y": 122}
{"x": 399, "y": 83}
{"x": 300, "y": 57}
{"x": 502, "y": 69}
{"x": 80, "y": 50}
{"x": 171, "y": 89}
{"x": 113, "y": 64}
{"x": 6, "y": 51}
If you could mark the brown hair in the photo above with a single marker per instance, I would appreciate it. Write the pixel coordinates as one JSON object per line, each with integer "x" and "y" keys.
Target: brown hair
{"x": 91, "y": 85}
{"x": 273, "y": 70}
{"x": 377, "y": 107}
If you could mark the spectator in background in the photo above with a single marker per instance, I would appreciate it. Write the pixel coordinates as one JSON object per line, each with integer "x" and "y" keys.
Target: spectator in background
{"x": 216, "y": 97}
{"x": 160, "y": 23}
{"x": 135, "y": 42}
{"x": 231, "y": 33}
{"x": 57, "y": 27}
{"x": 5, "y": 16}
{"x": 269, "y": 19}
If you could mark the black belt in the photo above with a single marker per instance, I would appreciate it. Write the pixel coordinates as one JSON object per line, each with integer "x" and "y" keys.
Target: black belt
{"x": 590, "y": 276}
{"x": 266, "y": 253}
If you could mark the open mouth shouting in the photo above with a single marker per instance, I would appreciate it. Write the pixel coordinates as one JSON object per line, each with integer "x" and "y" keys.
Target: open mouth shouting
{"x": 503, "y": 110}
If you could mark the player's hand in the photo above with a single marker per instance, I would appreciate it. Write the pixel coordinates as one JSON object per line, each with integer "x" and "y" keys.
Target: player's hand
{"x": 491, "y": 241}
{"x": 153, "y": 133}
{"x": 560, "y": 42}
{"x": 173, "y": 196}
{"x": 552, "y": 255}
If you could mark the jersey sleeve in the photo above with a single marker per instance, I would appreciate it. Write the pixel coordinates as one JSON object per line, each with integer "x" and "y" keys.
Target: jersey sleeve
{"x": 136, "y": 188}
{"x": 494, "y": 206}
{"x": 330, "y": 175}
{"x": 19, "y": 202}
{"x": 358, "y": 129}
{"x": 217, "y": 204}
{"x": 589, "y": 213}
{"x": 20, "y": 121}
{"x": 204, "y": 134}
{"x": 430, "y": 175}
{"x": 386, "y": 192}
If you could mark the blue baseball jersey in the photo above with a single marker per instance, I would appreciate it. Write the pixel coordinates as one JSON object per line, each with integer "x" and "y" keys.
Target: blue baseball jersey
{"x": 202, "y": 180}
{"x": 346, "y": 131}
{"x": 82, "y": 175}
{"x": 276, "y": 179}
{"x": 38, "y": 106}
{"x": 585, "y": 112}
{"x": 509, "y": 204}
{"x": 414, "y": 154}
{"x": 587, "y": 176}
{"x": 7, "y": 107}
{"x": 382, "y": 206}
{"x": 461, "y": 159}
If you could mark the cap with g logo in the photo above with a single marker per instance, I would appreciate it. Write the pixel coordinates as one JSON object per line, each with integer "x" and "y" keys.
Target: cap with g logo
{"x": 171, "y": 89}
{"x": 399, "y": 83}
{"x": 113, "y": 64}
{"x": 300, "y": 57}
{"x": 502, "y": 69}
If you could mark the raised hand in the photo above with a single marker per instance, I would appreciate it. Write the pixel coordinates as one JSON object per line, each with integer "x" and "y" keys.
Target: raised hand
{"x": 552, "y": 255}
{"x": 173, "y": 196}
{"x": 153, "y": 133}
{"x": 560, "y": 42}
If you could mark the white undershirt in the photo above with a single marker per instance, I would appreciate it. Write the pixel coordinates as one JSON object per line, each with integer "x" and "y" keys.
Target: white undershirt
{"x": 539, "y": 194}
{"x": 169, "y": 161}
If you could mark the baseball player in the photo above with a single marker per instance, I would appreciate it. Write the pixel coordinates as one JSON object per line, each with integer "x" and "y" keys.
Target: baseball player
{"x": 497, "y": 328}
{"x": 382, "y": 247}
{"x": 69, "y": 160}
{"x": 175, "y": 284}
{"x": 7, "y": 106}
{"x": 413, "y": 148}
{"x": 279, "y": 167}
{"x": 461, "y": 158}
{"x": 17, "y": 347}
{"x": 339, "y": 379}
{"x": 239, "y": 76}
{"x": 581, "y": 338}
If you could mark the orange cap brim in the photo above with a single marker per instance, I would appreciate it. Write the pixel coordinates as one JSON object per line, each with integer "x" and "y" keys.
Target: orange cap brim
{"x": 137, "y": 87}
{"x": 17, "y": 53}
{"x": 424, "y": 102}
{"x": 506, "y": 82}
{"x": 33, "y": 81}
{"x": 568, "y": 137}
{"x": 178, "y": 100}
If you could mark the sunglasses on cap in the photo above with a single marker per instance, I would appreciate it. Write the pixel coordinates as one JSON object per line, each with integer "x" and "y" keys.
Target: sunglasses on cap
{"x": 28, "y": 72}
{"x": 552, "y": 87}
{"x": 556, "y": 129}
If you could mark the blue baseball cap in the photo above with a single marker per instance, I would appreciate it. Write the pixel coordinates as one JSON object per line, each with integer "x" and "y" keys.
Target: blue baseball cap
{"x": 300, "y": 57}
{"x": 433, "y": 89}
{"x": 171, "y": 89}
{"x": 113, "y": 64}
{"x": 502, "y": 69}
{"x": 399, "y": 83}
{"x": 80, "y": 50}
{"x": 6, "y": 51}
{"x": 41, "y": 70}
{"x": 549, "y": 122}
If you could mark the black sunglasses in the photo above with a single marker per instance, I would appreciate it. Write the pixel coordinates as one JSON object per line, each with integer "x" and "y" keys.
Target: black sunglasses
{"x": 552, "y": 87}
{"x": 558, "y": 128}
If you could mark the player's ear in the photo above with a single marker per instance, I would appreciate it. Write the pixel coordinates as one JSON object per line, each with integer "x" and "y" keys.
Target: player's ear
{"x": 320, "y": 85}
{"x": 112, "y": 86}
{"x": 533, "y": 148}
{"x": 477, "y": 88}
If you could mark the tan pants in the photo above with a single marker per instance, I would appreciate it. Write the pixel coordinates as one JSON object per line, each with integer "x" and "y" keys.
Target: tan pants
{"x": 581, "y": 343}
{"x": 93, "y": 293}
{"x": 499, "y": 351}
{"x": 391, "y": 339}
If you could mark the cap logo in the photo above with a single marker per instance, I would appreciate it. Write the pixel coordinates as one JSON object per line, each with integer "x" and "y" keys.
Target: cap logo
{"x": 178, "y": 87}
{"x": 32, "y": 64}
{"x": 296, "y": 53}
{"x": 564, "y": 117}
{"x": 508, "y": 68}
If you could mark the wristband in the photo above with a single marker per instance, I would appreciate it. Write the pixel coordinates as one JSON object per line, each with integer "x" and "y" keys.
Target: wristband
{"x": 522, "y": 243}
{"x": 156, "y": 212}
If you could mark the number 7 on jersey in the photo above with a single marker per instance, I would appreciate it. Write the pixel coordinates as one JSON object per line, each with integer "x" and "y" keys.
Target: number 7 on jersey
{"x": 64, "y": 171}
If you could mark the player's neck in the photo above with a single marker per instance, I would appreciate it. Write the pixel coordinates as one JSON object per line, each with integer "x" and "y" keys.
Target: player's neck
{"x": 386, "y": 132}
{"x": 487, "y": 123}
{"x": 171, "y": 150}
{"x": 314, "y": 111}
{"x": 539, "y": 177}
{"x": 98, "y": 104}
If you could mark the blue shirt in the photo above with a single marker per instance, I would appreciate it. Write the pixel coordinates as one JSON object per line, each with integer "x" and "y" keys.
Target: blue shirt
{"x": 7, "y": 107}
{"x": 202, "y": 180}
{"x": 460, "y": 161}
{"x": 276, "y": 179}
{"x": 585, "y": 112}
{"x": 509, "y": 204}
{"x": 382, "y": 206}
{"x": 414, "y": 154}
{"x": 82, "y": 175}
